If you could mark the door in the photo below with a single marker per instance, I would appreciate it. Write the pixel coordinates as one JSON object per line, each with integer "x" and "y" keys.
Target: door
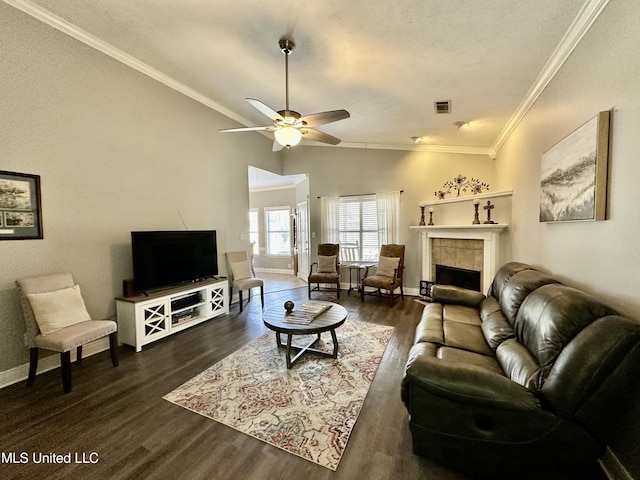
{"x": 302, "y": 234}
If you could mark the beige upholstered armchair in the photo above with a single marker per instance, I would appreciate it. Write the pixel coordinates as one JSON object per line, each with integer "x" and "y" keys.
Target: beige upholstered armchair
{"x": 327, "y": 267}
{"x": 388, "y": 275}
{"x": 242, "y": 276}
{"x": 56, "y": 319}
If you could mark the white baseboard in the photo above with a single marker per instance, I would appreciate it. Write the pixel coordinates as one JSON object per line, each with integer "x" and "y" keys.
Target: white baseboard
{"x": 21, "y": 372}
{"x": 612, "y": 467}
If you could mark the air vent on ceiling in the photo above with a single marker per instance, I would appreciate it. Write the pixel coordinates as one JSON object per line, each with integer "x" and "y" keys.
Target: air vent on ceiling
{"x": 443, "y": 106}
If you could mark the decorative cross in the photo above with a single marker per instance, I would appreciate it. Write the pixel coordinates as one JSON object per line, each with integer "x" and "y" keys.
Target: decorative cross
{"x": 488, "y": 207}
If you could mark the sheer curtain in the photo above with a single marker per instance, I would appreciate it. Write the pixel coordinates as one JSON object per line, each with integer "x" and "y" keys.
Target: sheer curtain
{"x": 330, "y": 222}
{"x": 388, "y": 217}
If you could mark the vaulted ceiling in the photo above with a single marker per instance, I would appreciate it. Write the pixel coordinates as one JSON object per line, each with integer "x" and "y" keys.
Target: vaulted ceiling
{"x": 386, "y": 62}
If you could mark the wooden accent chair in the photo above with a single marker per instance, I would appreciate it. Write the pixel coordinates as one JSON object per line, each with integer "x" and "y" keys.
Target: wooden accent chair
{"x": 388, "y": 275}
{"x": 56, "y": 319}
{"x": 242, "y": 275}
{"x": 327, "y": 268}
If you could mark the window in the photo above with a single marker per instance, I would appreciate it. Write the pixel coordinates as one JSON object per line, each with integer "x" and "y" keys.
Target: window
{"x": 358, "y": 227}
{"x": 360, "y": 224}
{"x": 278, "y": 230}
{"x": 254, "y": 231}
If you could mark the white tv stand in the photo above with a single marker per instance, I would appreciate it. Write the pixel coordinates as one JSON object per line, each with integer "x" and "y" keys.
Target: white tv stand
{"x": 145, "y": 319}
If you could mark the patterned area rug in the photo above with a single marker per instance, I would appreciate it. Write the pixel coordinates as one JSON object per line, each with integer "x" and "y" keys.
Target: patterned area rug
{"x": 308, "y": 410}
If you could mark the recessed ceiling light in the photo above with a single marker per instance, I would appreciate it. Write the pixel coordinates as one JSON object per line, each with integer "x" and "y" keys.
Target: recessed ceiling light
{"x": 416, "y": 139}
{"x": 461, "y": 125}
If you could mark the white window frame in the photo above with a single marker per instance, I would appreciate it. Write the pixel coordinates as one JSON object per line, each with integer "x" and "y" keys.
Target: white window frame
{"x": 268, "y": 232}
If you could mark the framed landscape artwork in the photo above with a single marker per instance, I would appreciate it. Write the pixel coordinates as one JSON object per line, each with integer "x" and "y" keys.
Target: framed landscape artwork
{"x": 573, "y": 179}
{"x": 20, "y": 208}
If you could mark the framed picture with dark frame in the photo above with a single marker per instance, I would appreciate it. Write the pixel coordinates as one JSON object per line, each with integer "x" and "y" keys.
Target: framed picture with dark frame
{"x": 20, "y": 206}
{"x": 573, "y": 178}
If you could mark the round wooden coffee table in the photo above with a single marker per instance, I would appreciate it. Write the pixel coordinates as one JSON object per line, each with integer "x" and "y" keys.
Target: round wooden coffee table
{"x": 327, "y": 321}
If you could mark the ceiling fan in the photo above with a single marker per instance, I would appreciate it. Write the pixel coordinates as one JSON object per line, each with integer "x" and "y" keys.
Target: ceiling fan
{"x": 289, "y": 127}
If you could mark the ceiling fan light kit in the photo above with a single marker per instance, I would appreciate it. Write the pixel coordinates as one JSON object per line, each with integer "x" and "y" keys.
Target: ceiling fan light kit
{"x": 288, "y": 125}
{"x": 288, "y": 136}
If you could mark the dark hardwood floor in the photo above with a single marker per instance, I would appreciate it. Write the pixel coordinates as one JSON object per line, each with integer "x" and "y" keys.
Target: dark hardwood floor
{"x": 116, "y": 417}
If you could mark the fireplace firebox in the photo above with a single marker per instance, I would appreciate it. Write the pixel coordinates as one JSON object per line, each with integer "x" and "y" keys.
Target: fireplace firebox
{"x": 459, "y": 277}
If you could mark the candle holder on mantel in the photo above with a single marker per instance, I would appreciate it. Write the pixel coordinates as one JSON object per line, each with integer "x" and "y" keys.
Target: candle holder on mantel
{"x": 430, "y": 216}
{"x": 476, "y": 219}
{"x": 422, "y": 224}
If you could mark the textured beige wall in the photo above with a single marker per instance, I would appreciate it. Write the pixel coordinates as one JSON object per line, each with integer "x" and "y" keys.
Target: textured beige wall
{"x": 347, "y": 171}
{"x": 601, "y": 74}
{"x": 116, "y": 151}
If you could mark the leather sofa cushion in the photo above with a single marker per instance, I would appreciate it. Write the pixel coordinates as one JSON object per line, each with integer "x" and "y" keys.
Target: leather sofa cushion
{"x": 456, "y": 295}
{"x": 463, "y": 357}
{"x": 503, "y": 275}
{"x": 517, "y": 288}
{"x": 596, "y": 363}
{"x": 430, "y": 327}
{"x": 453, "y": 326}
{"x": 496, "y": 329}
{"x": 550, "y": 318}
{"x": 518, "y": 363}
{"x": 466, "y": 337}
{"x": 461, "y": 314}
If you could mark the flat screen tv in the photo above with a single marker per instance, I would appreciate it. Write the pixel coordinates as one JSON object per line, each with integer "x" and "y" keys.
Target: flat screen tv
{"x": 166, "y": 258}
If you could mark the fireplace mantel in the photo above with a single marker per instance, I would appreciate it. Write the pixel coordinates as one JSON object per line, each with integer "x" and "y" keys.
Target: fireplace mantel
{"x": 489, "y": 233}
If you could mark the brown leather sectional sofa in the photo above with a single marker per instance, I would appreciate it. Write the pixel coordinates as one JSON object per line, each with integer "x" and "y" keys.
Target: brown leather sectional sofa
{"x": 525, "y": 382}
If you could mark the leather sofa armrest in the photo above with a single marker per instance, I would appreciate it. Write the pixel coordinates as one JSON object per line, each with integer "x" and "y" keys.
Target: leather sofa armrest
{"x": 456, "y": 295}
{"x": 465, "y": 384}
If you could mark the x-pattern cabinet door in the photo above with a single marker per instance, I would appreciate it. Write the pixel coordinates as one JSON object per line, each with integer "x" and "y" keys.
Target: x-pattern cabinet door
{"x": 218, "y": 299}
{"x": 155, "y": 323}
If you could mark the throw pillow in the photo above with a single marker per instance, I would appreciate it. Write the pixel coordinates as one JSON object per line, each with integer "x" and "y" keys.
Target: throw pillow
{"x": 58, "y": 309}
{"x": 326, "y": 264}
{"x": 241, "y": 270}
{"x": 387, "y": 265}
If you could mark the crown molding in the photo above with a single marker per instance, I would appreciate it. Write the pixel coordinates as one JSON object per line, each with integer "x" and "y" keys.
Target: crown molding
{"x": 589, "y": 13}
{"x": 422, "y": 148}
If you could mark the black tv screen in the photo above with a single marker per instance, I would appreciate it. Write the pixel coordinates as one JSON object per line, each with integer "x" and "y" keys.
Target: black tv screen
{"x": 165, "y": 258}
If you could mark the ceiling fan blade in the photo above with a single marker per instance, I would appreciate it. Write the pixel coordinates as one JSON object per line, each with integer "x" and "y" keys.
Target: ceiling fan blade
{"x": 248, "y": 129}
{"x": 276, "y": 146}
{"x": 318, "y": 136}
{"x": 265, "y": 109}
{"x": 324, "y": 117}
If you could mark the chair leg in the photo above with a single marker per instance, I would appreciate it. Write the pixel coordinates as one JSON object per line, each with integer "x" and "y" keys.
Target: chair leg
{"x": 361, "y": 293}
{"x": 240, "y": 298}
{"x": 262, "y": 295}
{"x": 338, "y": 289}
{"x": 65, "y": 360}
{"x": 391, "y": 293}
{"x": 33, "y": 365}
{"x": 113, "y": 348}
{"x": 309, "y": 288}
{"x": 78, "y": 354}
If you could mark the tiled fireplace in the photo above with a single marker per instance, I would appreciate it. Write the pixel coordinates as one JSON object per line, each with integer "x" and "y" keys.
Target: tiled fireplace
{"x": 472, "y": 248}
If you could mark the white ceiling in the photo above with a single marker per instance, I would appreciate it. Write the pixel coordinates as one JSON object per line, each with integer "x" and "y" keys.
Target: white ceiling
{"x": 263, "y": 180}
{"x": 385, "y": 62}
